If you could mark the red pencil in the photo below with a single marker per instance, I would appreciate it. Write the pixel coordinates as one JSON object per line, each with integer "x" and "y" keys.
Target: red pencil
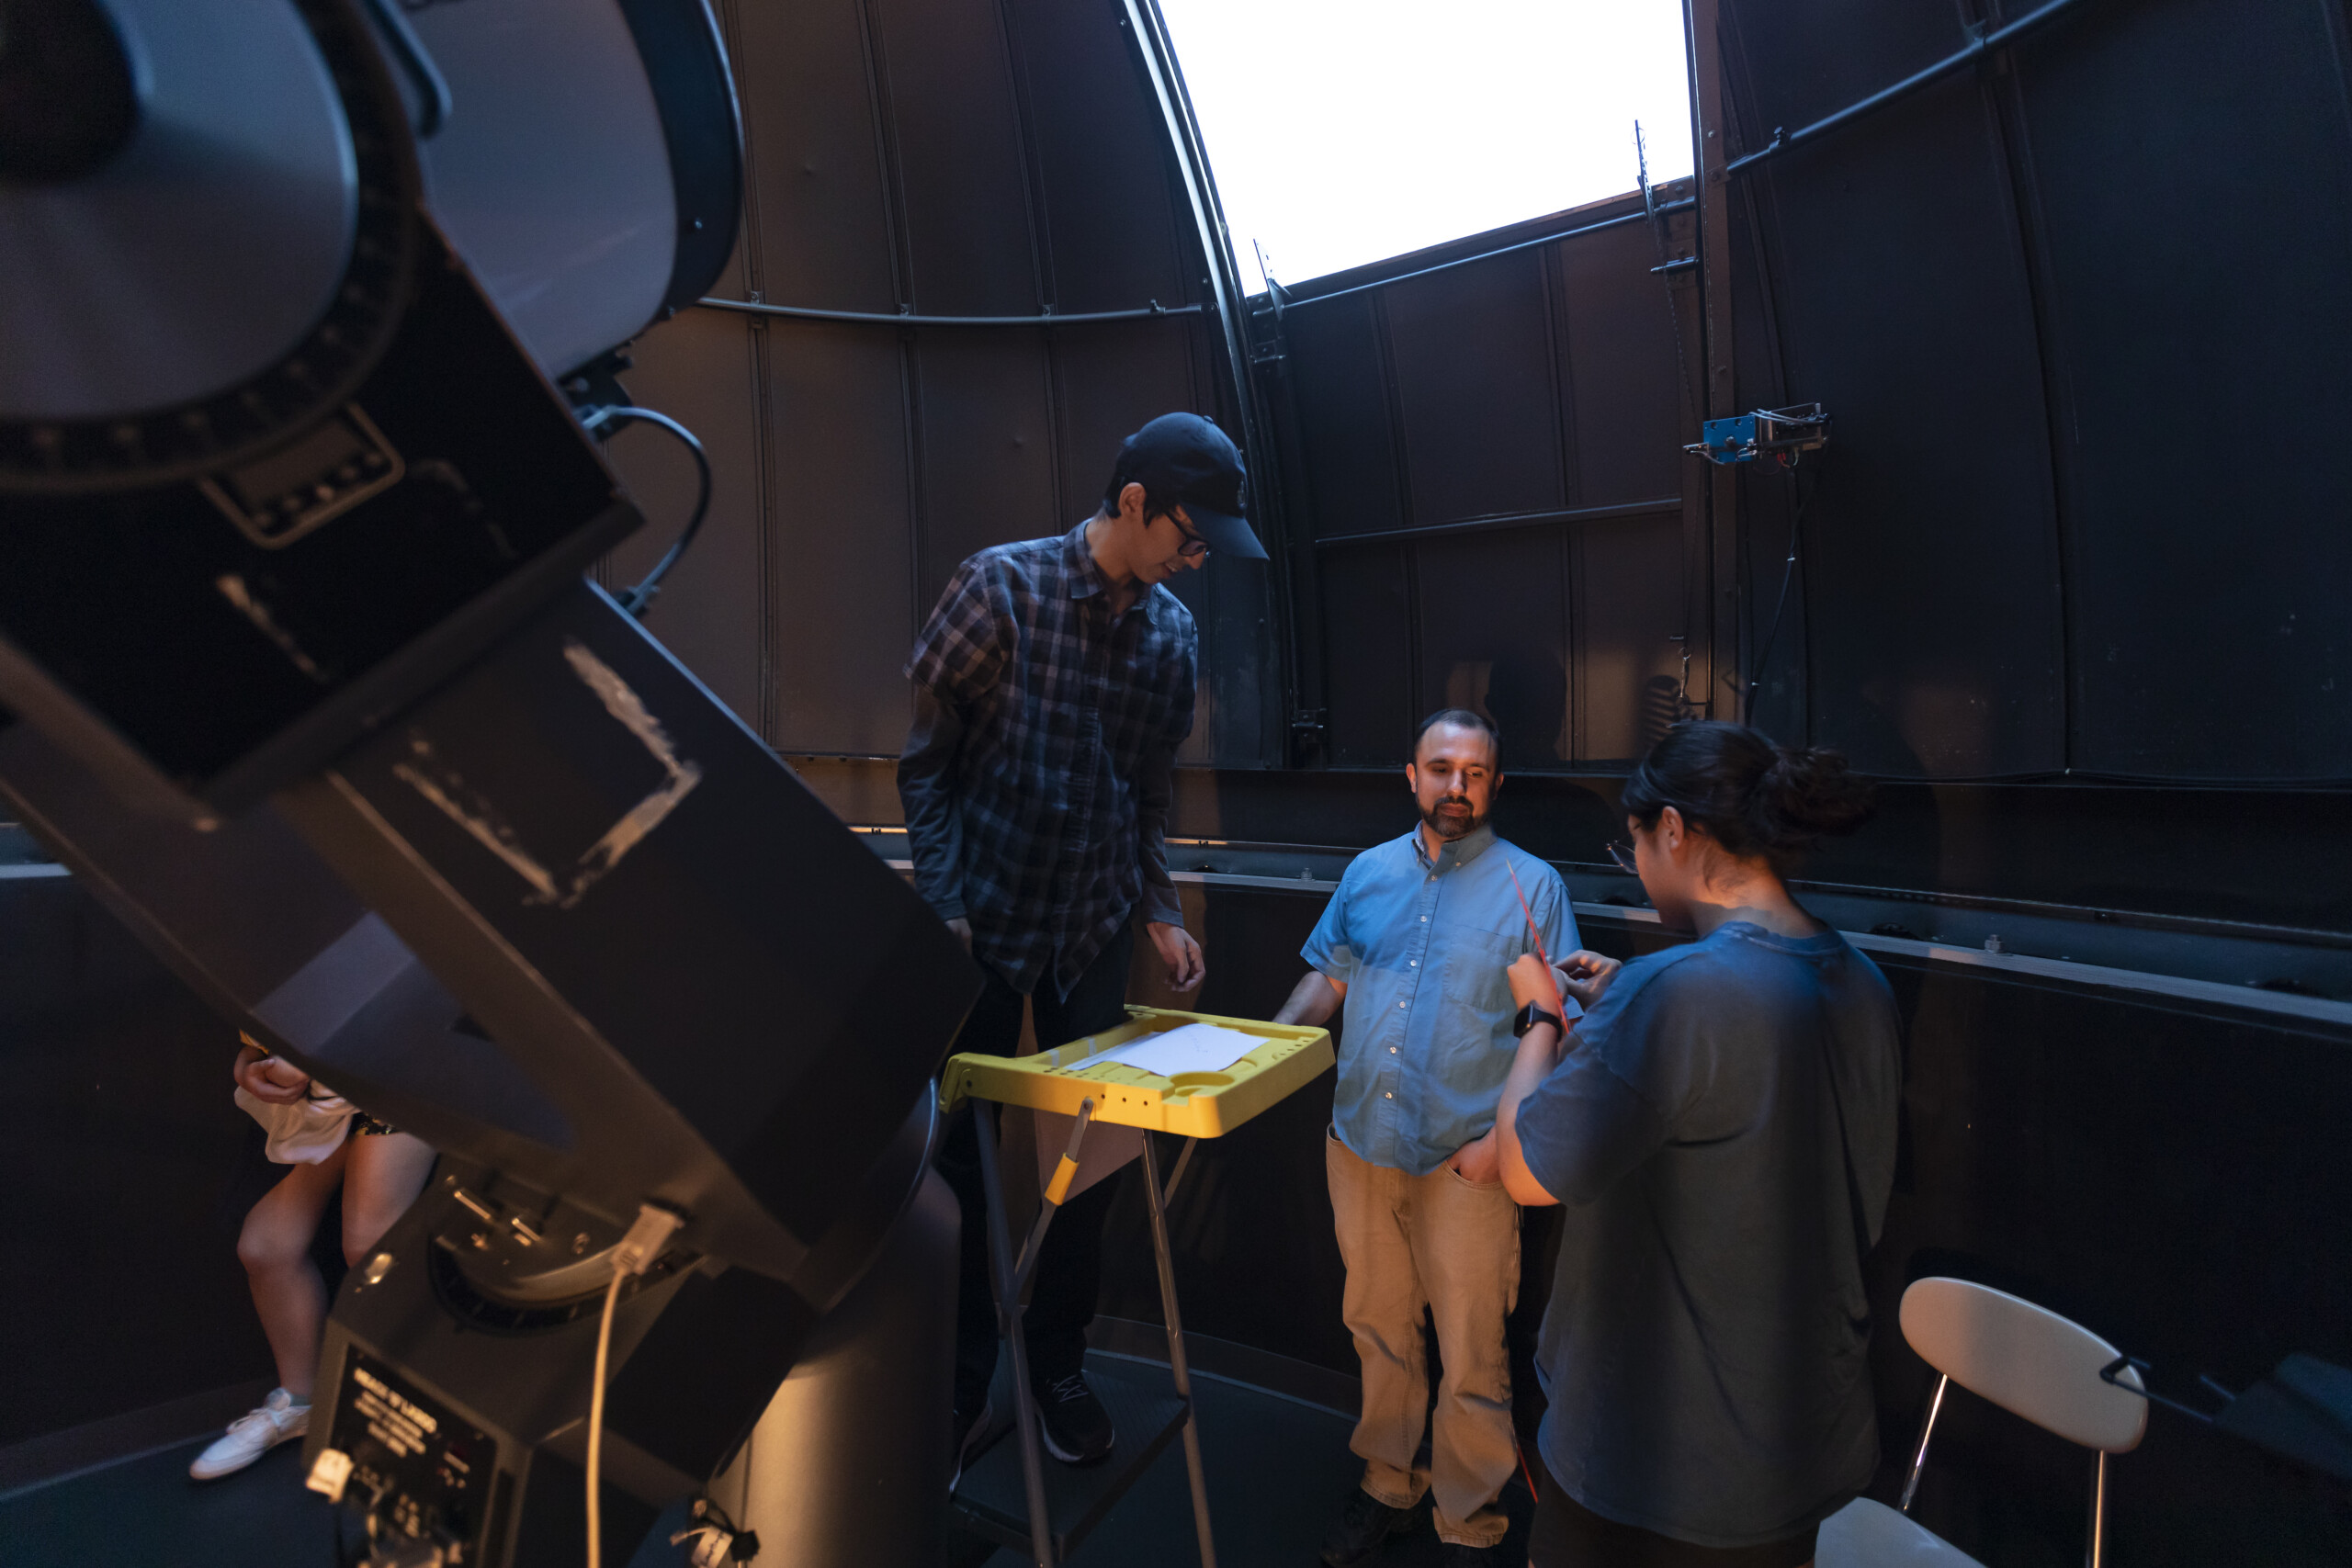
{"x": 1558, "y": 1007}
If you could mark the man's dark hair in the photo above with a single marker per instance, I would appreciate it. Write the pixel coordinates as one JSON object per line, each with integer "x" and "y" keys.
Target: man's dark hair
{"x": 1461, "y": 718}
{"x": 1153, "y": 506}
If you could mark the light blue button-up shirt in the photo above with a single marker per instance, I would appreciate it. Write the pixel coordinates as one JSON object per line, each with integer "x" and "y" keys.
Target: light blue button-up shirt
{"x": 1422, "y": 947}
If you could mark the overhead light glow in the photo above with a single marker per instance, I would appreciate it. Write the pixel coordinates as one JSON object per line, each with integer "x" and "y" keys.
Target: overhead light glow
{"x": 1344, "y": 132}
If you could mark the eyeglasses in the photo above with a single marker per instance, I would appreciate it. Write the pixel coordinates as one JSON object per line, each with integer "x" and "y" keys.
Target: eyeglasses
{"x": 1623, "y": 854}
{"x": 1194, "y": 546}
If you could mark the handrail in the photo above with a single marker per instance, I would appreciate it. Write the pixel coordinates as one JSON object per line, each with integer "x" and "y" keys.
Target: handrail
{"x": 876, "y": 318}
{"x": 1501, "y": 521}
{"x": 1977, "y": 48}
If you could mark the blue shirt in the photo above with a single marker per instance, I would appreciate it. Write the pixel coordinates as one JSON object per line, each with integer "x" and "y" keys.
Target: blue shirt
{"x": 1721, "y": 1138}
{"x": 1426, "y": 1042}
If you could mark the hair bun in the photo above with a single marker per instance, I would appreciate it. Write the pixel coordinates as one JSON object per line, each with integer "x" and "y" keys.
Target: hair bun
{"x": 1751, "y": 797}
{"x": 1807, "y": 791}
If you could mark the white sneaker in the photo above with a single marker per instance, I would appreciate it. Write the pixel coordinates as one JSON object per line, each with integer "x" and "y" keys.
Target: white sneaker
{"x": 251, "y": 1435}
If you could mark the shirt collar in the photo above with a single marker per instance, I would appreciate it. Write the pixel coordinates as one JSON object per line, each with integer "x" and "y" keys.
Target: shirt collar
{"x": 1086, "y": 578}
{"x": 1461, "y": 852}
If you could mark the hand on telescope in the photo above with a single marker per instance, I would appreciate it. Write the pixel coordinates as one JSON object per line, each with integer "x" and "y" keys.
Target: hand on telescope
{"x": 264, "y": 1078}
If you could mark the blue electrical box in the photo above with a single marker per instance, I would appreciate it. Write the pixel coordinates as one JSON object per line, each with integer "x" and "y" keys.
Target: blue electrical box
{"x": 1778, "y": 433}
{"x": 1728, "y": 440}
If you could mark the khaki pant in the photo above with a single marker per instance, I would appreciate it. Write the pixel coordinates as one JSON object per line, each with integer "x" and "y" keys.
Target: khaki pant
{"x": 1439, "y": 1242}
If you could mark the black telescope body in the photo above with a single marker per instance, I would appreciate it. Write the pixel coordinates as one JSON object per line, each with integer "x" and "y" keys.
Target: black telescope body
{"x": 301, "y": 675}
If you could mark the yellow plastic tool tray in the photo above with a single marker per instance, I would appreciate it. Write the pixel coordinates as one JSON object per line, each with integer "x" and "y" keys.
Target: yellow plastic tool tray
{"x": 1196, "y": 1105}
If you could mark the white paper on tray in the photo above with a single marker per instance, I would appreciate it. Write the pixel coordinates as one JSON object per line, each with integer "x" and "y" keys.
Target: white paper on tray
{"x": 1189, "y": 1048}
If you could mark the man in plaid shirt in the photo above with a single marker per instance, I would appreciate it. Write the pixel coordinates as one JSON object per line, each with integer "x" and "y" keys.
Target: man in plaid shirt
{"x": 1053, "y": 685}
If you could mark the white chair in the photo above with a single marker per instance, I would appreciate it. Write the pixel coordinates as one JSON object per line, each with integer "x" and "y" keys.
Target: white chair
{"x": 2028, "y": 1360}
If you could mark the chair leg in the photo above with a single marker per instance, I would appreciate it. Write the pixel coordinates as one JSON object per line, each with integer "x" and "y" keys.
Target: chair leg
{"x": 1919, "y": 1453}
{"x": 2095, "y": 1546}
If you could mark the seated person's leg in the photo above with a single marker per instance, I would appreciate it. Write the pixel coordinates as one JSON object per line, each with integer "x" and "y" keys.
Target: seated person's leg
{"x": 290, "y": 1299}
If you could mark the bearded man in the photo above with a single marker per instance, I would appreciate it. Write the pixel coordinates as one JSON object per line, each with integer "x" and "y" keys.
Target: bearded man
{"x": 1414, "y": 944}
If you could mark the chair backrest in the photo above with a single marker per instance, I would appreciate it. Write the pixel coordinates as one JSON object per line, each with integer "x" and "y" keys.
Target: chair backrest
{"x": 2025, "y": 1359}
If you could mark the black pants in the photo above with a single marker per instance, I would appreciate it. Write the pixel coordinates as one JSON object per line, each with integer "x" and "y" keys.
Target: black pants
{"x": 1069, "y": 1268}
{"x": 1567, "y": 1534}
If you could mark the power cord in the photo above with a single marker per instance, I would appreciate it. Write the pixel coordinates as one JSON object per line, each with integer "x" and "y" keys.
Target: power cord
{"x": 599, "y": 424}
{"x": 718, "y": 1540}
{"x": 636, "y": 1253}
{"x": 1788, "y": 574}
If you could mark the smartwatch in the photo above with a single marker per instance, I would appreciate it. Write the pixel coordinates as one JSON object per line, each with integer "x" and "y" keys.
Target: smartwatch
{"x": 1533, "y": 1014}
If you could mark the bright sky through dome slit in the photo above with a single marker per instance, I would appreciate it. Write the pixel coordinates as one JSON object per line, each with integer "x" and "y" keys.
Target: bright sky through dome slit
{"x": 1344, "y": 132}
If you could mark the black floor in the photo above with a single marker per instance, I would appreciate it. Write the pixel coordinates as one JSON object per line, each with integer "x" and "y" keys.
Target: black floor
{"x": 1276, "y": 1471}
{"x": 147, "y": 1511}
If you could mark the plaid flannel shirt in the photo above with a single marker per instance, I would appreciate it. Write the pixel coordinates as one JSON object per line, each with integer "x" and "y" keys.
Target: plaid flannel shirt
{"x": 1038, "y": 777}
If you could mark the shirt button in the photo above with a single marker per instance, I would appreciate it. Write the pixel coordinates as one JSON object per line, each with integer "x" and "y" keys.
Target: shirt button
{"x": 1392, "y": 1050}
{"x": 1425, "y": 919}
{"x": 1392, "y": 1097}
{"x": 1412, "y": 963}
{"x": 1400, "y": 1006}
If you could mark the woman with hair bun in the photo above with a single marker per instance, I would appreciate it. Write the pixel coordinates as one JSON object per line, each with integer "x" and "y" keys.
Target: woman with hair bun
{"x": 1720, "y": 1127}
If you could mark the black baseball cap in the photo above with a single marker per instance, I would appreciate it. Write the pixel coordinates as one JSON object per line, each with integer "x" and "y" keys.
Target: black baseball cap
{"x": 1182, "y": 459}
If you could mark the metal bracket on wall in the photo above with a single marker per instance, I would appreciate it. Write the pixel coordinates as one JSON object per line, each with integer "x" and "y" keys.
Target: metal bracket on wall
{"x": 1308, "y": 730}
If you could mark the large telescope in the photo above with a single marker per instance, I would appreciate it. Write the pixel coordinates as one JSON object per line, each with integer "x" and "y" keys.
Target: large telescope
{"x": 302, "y": 674}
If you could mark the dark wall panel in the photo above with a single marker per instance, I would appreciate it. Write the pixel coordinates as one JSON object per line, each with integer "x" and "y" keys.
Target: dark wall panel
{"x": 1482, "y": 431}
{"x": 2079, "y": 316}
{"x": 1627, "y": 418}
{"x": 1629, "y": 585}
{"x": 1239, "y": 709}
{"x": 988, "y": 456}
{"x": 841, "y": 558}
{"x": 1112, "y": 241}
{"x": 1495, "y": 638}
{"x": 1931, "y": 562}
{"x": 1539, "y": 380}
{"x": 127, "y": 1171}
{"x": 957, "y": 134}
{"x": 2192, "y": 165}
{"x": 819, "y": 206}
{"x": 1368, "y": 632}
{"x": 1351, "y": 482}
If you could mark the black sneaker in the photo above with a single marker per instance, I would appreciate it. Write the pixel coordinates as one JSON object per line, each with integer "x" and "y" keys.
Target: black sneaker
{"x": 971, "y": 1438}
{"x": 1076, "y": 1428}
{"x": 1457, "y": 1555}
{"x": 1364, "y": 1527}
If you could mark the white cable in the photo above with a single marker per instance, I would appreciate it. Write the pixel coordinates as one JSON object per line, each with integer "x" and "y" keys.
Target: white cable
{"x": 596, "y": 1423}
{"x": 636, "y": 1253}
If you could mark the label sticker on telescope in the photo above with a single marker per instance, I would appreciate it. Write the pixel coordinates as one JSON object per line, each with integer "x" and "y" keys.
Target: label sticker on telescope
{"x": 415, "y": 1465}
{"x": 308, "y": 482}
{"x": 434, "y": 779}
